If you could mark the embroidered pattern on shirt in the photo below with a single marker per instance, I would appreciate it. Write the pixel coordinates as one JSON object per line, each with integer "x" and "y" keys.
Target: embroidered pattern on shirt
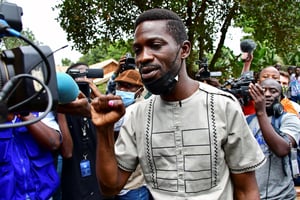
{"x": 181, "y": 159}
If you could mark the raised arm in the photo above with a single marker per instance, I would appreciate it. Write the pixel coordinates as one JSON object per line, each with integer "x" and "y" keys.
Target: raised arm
{"x": 247, "y": 59}
{"x": 105, "y": 111}
{"x": 276, "y": 143}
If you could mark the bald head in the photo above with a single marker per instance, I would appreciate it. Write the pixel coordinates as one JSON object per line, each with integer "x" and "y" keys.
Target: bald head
{"x": 269, "y": 72}
{"x": 271, "y": 83}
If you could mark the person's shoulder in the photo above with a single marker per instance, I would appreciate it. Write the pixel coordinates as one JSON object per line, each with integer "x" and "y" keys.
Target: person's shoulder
{"x": 132, "y": 106}
{"x": 139, "y": 105}
{"x": 289, "y": 116}
{"x": 213, "y": 90}
{"x": 289, "y": 120}
{"x": 296, "y": 106}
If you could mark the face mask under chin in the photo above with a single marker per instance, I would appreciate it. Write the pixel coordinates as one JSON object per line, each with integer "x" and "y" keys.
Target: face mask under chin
{"x": 163, "y": 85}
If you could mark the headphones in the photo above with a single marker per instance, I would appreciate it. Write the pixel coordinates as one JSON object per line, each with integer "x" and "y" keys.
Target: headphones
{"x": 277, "y": 109}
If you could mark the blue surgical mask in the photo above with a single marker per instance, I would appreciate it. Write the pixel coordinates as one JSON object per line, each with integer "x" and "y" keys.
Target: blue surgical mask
{"x": 128, "y": 98}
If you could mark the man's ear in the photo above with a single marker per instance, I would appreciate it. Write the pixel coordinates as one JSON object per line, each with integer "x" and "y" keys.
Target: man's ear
{"x": 186, "y": 49}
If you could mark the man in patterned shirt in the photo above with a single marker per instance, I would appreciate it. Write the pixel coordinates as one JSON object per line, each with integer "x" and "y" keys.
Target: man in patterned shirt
{"x": 191, "y": 139}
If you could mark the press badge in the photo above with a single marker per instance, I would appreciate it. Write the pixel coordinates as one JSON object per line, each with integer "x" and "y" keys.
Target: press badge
{"x": 85, "y": 168}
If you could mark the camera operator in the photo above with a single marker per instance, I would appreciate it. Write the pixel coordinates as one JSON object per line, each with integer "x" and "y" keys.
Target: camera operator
{"x": 247, "y": 58}
{"x": 26, "y": 160}
{"x": 247, "y": 47}
{"x": 239, "y": 88}
{"x": 277, "y": 133}
{"x": 87, "y": 88}
{"x": 78, "y": 175}
{"x": 268, "y": 72}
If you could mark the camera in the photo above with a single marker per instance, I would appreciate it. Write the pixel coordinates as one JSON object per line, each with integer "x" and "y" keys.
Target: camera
{"x": 129, "y": 63}
{"x": 25, "y": 94}
{"x": 21, "y": 60}
{"x": 11, "y": 13}
{"x": 240, "y": 87}
{"x": 88, "y": 73}
{"x": 203, "y": 73}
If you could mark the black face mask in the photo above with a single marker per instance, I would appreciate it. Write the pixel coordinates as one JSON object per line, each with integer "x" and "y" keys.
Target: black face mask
{"x": 164, "y": 84}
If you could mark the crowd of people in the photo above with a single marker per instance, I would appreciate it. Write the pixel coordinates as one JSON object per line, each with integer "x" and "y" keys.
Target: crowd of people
{"x": 158, "y": 133}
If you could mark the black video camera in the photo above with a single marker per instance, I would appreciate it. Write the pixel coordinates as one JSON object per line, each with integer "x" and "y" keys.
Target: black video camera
{"x": 11, "y": 13}
{"x": 240, "y": 87}
{"x": 203, "y": 73}
{"x": 88, "y": 73}
{"x": 129, "y": 63}
{"x": 24, "y": 60}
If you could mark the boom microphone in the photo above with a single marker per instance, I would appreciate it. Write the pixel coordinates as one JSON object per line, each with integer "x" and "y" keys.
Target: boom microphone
{"x": 68, "y": 89}
{"x": 247, "y": 46}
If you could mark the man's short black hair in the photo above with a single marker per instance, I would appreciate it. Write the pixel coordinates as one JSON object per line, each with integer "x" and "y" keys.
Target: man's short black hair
{"x": 175, "y": 25}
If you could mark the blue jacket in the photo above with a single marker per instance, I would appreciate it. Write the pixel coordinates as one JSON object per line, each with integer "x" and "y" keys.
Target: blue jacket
{"x": 26, "y": 169}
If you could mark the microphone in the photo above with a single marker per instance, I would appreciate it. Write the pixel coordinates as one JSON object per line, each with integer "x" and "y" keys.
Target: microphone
{"x": 247, "y": 46}
{"x": 68, "y": 89}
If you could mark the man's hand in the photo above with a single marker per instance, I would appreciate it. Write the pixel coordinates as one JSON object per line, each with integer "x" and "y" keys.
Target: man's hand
{"x": 247, "y": 57}
{"x": 107, "y": 109}
{"x": 80, "y": 106}
{"x": 257, "y": 94}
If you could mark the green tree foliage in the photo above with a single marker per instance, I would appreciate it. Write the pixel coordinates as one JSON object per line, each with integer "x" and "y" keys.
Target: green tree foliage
{"x": 106, "y": 51}
{"x": 66, "y": 62}
{"x": 274, "y": 22}
{"x": 96, "y": 24}
{"x": 292, "y": 58}
{"x": 89, "y": 23}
